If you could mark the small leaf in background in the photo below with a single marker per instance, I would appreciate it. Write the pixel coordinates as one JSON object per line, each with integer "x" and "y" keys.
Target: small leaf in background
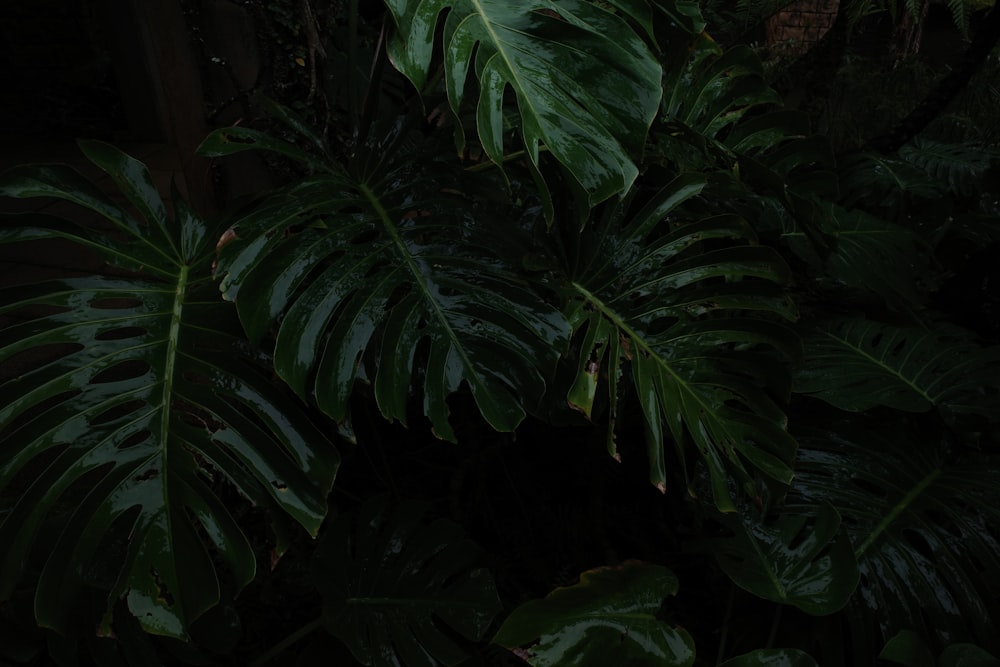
{"x": 857, "y": 364}
{"x": 772, "y": 657}
{"x": 922, "y": 521}
{"x": 609, "y": 618}
{"x": 907, "y": 648}
{"x": 803, "y": 559}
{"x": 397, "y": 590}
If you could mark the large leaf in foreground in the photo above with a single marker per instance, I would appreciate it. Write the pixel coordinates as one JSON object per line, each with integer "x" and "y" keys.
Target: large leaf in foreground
{"x": 923, "y": 524}
{"x": 674, "y": 299}
{"x": 397, "y": 590}
{"x": 393, "y": 264}
{"x": 610, "y": 617}
{"x": 131, "y": 403}
{"x": 587, "y": 86}
{"x": 857, "y": 364}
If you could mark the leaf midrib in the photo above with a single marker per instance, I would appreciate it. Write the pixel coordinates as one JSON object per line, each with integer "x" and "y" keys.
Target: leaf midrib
{"x": 419, "y": 280}
{"x": 877, "y": 362}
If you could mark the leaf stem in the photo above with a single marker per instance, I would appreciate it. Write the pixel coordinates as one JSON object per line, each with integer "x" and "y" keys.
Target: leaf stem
{"x": 285, "y": 643}
{"x": 894, "y": 513}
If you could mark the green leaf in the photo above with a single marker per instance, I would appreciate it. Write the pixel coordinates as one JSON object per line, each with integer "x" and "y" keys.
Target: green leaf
{"x": 922, "y": 521}
{"x": 967, "y": 655}
{"x": 772, "y": 657}
{"x": 961, "y": 165}
{"x": 396, "y": 590}
{"x": 802, "y": 559}
{"x": 673, "y": 298}
{"x": 907, "y": 648}
{"x": 883, "y": 181}
{"x": 713, "y": 89}
{"x": 587, "y": 86}
{"x": 134, "y": 402}
{"x": 395, "y": 268}
{"x": 610, "y": 617}
{"x": 857, "y": 364}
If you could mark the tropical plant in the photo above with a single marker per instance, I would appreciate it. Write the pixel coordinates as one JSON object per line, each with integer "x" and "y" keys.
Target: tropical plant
{"x": 549, "y": 251}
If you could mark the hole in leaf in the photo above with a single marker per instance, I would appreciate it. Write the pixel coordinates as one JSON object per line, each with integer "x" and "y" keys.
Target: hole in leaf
{"x": 364, "y": 237}
{"x": 398, "y": 294}
{"x": 123, "y": 370}
{"x": 121, "y": 333}
{"x": 116, "y": 303}
{"x": 163, "y": 593}
{"x": 876, "y": 339}
{"x": 35, "y": 358}
{"x": 135, "y": 439}
{"x": 869, "y": 487}
{"x": 919, "y": 543}
{"x": 230, "y": 138}
{"x": 279, "y": 485}
{"x": 152, "y": 473}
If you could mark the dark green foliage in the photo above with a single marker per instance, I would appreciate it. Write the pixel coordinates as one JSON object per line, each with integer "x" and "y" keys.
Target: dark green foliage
{"x": 638, "y": 266}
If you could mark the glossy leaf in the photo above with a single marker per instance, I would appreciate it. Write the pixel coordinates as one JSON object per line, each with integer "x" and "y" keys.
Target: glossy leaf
{"x": 380, "y": 263}
{"x": 922, "y": 522}
{"x": 651, "y": 294}
{"x": 709, "y": 90}
{"x": 587, "y": 86}
{"x": 803, "y": 559}
{"x": 772, "y": 657}
{"x": 857, "y": 364}
{"x": 134, "y": 401}
{"x": 397, "y": 590}
{"x": 610, "y": 617}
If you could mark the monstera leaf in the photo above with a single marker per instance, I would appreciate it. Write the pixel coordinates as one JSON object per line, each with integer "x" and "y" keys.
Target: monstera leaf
{"x": 397, "y": 591}
{"x": 133, "y": 402}
{"x": 910, "y": 650}
{"x": 388, "y": 260}
{"x": 708, "y": 90}
{"x": 959, "y": 164}
{"x": 857, "y": 364}
{"x": 865, "y": 253}
{"x": 922, "y": 521}
{"x": 803, "y": 559}
{"x": 610, "y": 617}
{"x": 772, "y": 657}
{"x": 672, "y": 299}
{"x": 587, "y": 86}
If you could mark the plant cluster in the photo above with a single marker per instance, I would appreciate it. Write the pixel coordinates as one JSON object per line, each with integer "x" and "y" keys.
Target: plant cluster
{"x": 569, "y": 346}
